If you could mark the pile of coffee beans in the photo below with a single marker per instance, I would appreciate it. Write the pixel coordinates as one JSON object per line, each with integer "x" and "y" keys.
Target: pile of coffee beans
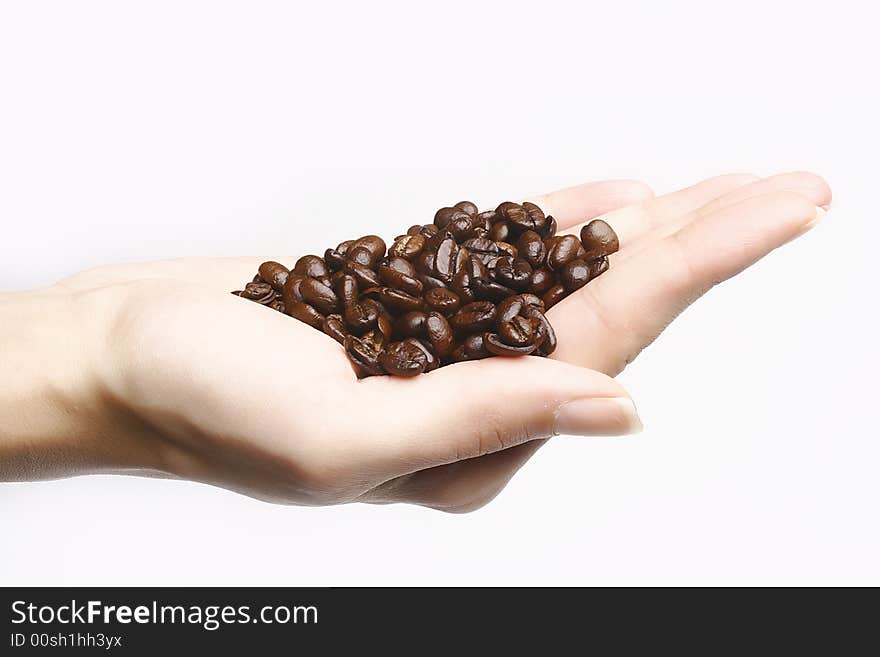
{"x": 467, "y": 286}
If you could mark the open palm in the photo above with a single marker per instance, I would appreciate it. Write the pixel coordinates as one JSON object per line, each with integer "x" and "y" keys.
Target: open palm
{"x": 220, "y": 390}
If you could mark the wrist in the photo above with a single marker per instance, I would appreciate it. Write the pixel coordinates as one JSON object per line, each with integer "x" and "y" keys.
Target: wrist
{"x": 57, "y": 418}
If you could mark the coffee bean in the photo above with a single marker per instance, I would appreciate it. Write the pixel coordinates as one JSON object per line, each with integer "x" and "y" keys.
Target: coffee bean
{"x": 431, "y": 358}
{"x": 542, "y": 280}
{"x": 474, "y": 317}
{"x": 598, "y": 239}
{"x": 399, "y": 300}
{"x": 360, "y": 317}
{"x": 275, "y": 274}
{"x": 500, "y": 232}
{"x": 408, "y": 246}
{"x": 401, "y": 275}
{"x": 597, "y": 267}
{"x": 563, "y": 250}
{"x": 471, "y": 348}
{"x": 403, "y": 359}
{"x": 574, "y": 275}
{"x": 311, "y": 266}
{"x": 365, "y": 276}
{"x": 363, "y": 357}
{"x": 553, "y": 296}
{"x": 373, "y": 244}
{"x": 531, "y": 247}
{"x": 467, "y": 207}
{"x": 515, "y": 274}
{"x": 320, "y": 296}
{"x": 334, "y": 259}
{"x": 292, "y": 293}
{"x": 439, "y": 334}
{"x": 494, "y": 345}
{"x": 518, "y": 332}
{"x": 442, "y": 300}
{"x": 410, "y": 325}
{"x": 278, "y": 305}
{"x": 259, "y": 292}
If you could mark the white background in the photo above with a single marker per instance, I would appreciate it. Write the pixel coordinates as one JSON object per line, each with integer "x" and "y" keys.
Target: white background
{"x": 134, "y": 130}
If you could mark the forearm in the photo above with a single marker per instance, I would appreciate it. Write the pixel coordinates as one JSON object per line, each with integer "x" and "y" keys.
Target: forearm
{"x": 56, "y": 419}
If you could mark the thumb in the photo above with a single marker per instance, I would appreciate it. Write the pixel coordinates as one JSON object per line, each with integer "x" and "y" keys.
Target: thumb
{"x": 476, "y": 408}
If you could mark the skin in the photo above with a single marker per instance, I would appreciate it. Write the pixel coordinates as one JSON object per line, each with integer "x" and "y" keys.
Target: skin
{"x": 155, "y": 369}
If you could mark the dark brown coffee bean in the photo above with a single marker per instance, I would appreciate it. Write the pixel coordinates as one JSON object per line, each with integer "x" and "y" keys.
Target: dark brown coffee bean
{"x": 444, "y": 265}
{"x": 408, "y": 246}
{"x": 403, "y": 359}
{"x": 428, "y": 231}
{"x": 433, "y": 361}
{"x": 360, "y": 317}
{"x": 320, "y": 296}
{"x": 461, "y": 285}
{"x": 484, "y": 220}
{"x": 599, "y": 239}
{"x": 514, "y": 274}
{"x": 471, "y": 348}
{"x": 467, "y": 207}
{"x": 500, "y": 232}
{"x": 507, "y": 249}
{"x": 445, "y": 216}
{"x": 518, "y": 332}
{"x": 474, "y": 317}
{"x": 373, "y": 244}
{"x": 496, "y": 346}
{"x": 442, "y": 300}
{"x": 528, "y": 299}
{"x": 536, "y": 217}
{"x": 334, "y": 327}
{"x": 278, "y": 305}
{"x": 424, "y": 262}
{"x": 291, "y": 293}
{"x": 399, "y": 300}
{"x": 259, "y": 292}
{"x": 489, "y": 290}
{"x": 365, "y": 276}
{"x": 363, "y": 357}
{"x": 275, "y": 274}
{"x": 346, "y": 288}
{"x": 439, "y": 333}
{"x": 343, "y": 247}
{"x": 306, "y": 313}
{"x": 542, "y": 280}
{"x": 553, "y": 296}
{"x": 410, "y": 325}
{"x": 509, "y": 308}
{"x": 562, "y": 251}
{"x": 401, "y": 275}
{"x": 311, "y": 266}
{"x": 531, "y": 247}
{"x": 550, "y": 228}
{"x": 574, "y": 275}
{"x": 481, "y": 246}
{"x": 546, "y": 336}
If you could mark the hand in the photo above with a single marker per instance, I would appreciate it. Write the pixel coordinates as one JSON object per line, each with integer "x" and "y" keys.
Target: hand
{"x": 195, "y": 383}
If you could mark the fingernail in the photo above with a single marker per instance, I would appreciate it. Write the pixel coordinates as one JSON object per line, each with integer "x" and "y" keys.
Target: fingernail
{"x": 597, "y": 416}
{"x": 820, "y": 215}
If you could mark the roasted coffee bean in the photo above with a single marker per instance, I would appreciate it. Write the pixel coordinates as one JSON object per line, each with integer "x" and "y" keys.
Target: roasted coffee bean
{"x": 445, "y": 262}
{"x": 306, "y": 313}
{"x": 494, "y": 345}
{"x": 553, "y": 296}
{"x": 275, "y": 274}
{"x": 259, "y": 292}
{"x": 471, "y": 348}
{"x": 467, "y": 207}
{"x": 401, "y": 275}
{"x": 514, "y": 274}
{"x": 518, "y": 332}
{"x": 574, "y": 275}
{"x": 403, "y": 359}
{"x": 599, "y": 239}
{"x": 474, "y": 317}
{"x": 442, "y": 300}
{"x": 311, "y": 266}
{"x": 562, "y": 251}
{"x": 320, "y": 296}
{"x": 373, "y": 244}
{"x": 546, "y": 336}
{"x": 542, "y": 280}
{"x": 500, "y": 232}
{"x": 410, "y": 325}
{"x": 531, "y": 247}
{"x": 334, "y": 327}
{"x": 433, "y": 361}
{"x": 363, "y": 357}
{"x": 408, "y": 246}
{"x": 439, "y": 334}
{"x": 467, "y": 286}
